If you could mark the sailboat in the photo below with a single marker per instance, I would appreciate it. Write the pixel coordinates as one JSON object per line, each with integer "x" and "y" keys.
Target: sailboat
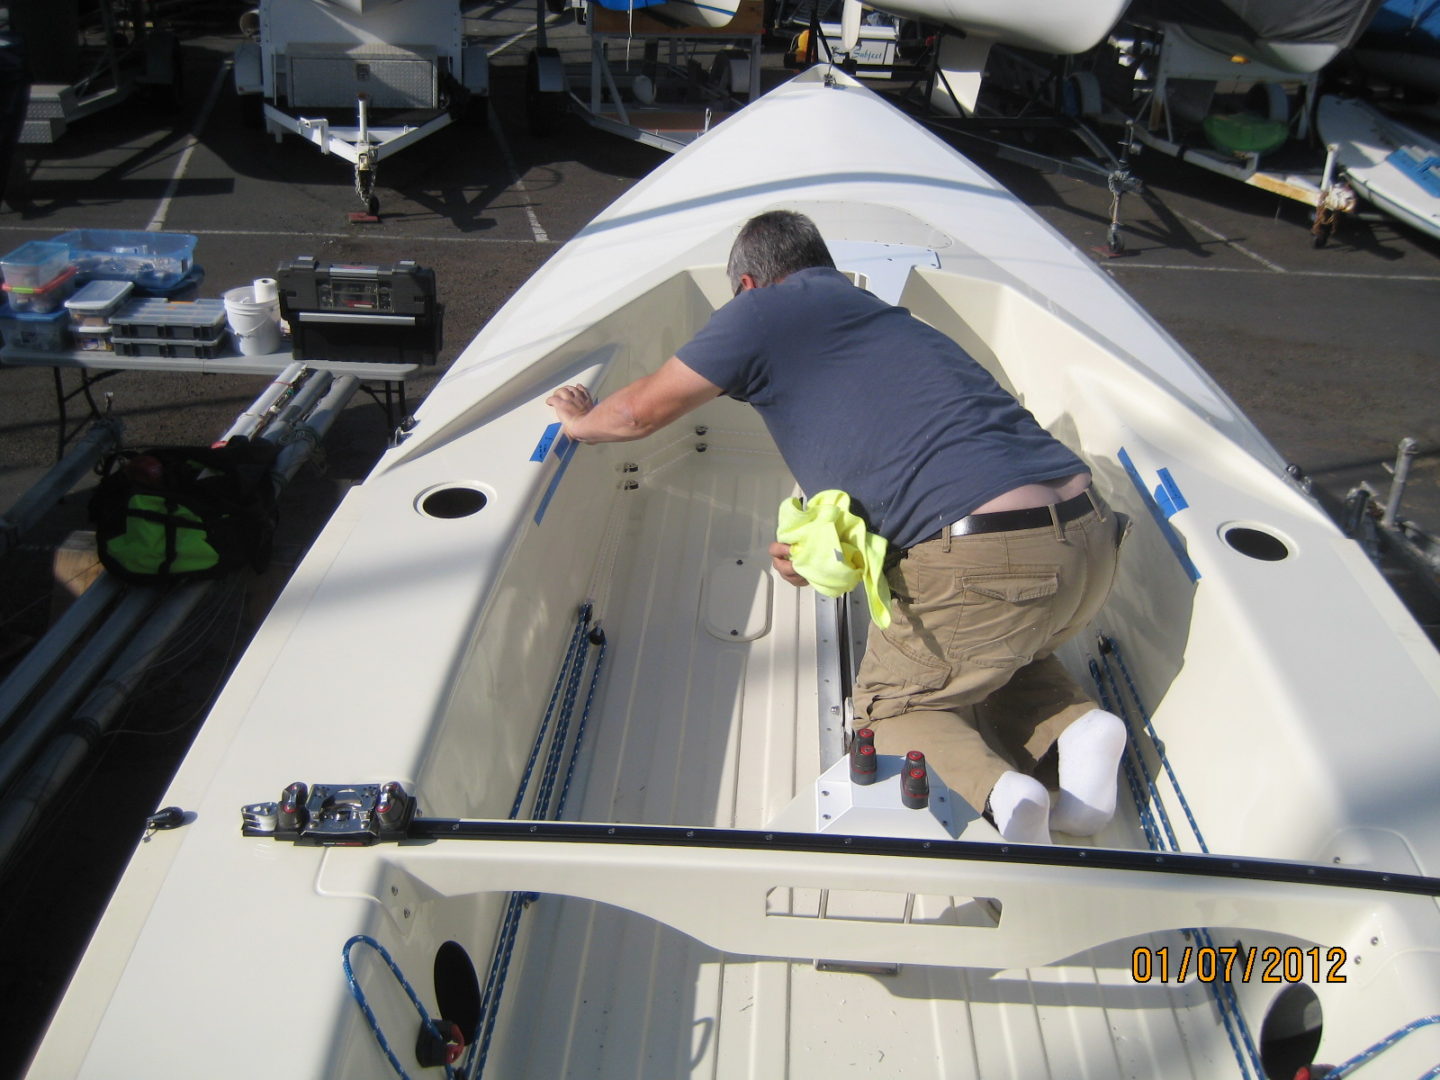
{"x": 536, "y": 769}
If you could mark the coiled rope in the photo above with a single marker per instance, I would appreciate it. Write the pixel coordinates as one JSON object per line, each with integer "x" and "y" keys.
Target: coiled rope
{"x": 359, "y": 995}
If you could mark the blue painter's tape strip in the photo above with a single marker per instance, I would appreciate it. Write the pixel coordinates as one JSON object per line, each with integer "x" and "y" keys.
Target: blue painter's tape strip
{"x": 1163, "y": 501}
{"x": 1166, "y": 529}
{"x": 562, "y": 445}
{"x": 1173, "y": 498}
{"x": 545, "y": 441}
{"x": 555, "y": 480}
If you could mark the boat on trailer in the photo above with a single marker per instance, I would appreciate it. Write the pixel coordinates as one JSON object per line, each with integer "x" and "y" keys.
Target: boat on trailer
{"x": 535, "y": 769}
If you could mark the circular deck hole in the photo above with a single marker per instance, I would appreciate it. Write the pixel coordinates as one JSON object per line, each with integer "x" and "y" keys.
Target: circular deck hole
{"x": 452, "y": 502}
{"x": 1256, "y": 543}
{"x": 457, "y": 987}
{"x": 1290, "y": 1034}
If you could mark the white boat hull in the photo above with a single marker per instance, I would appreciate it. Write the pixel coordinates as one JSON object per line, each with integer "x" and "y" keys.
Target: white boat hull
{"x": 424, "y": 649}
{"x": 1381, "y": 158}
{"x": 1063, "y": 29}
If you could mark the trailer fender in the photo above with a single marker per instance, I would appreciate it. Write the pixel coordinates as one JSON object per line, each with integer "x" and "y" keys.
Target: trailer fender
{"x": 475, "y": 69}
{"x": 549, "y": 72}
{"x": 249, "y": 70}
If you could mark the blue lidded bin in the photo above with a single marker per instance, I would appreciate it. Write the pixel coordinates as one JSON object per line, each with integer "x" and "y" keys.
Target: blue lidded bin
{"x": 154, "y": 261}
{"x": 45, "y": 332}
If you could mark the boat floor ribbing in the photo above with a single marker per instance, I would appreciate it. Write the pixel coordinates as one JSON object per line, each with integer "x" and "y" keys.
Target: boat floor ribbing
{"x": 727, "y": 738}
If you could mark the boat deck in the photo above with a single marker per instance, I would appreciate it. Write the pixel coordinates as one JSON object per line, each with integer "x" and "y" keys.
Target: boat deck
{"x": 598, "y": 991}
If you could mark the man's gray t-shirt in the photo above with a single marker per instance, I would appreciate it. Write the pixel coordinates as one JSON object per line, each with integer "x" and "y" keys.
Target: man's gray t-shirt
{"x": 860, "y": 395}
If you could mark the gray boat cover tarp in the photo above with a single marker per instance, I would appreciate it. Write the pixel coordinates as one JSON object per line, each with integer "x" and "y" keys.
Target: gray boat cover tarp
{"x": 1319, "y": 22}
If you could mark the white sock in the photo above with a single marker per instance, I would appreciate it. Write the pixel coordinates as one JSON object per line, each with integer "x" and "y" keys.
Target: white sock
{"x": 1020, "y": 806}
{"x": 1090, "y": 751}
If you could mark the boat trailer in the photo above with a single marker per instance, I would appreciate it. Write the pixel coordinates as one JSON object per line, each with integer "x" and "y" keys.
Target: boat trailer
{"x": 399, "y": 68}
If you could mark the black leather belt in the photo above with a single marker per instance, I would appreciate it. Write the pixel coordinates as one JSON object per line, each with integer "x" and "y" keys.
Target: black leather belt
{"x": 1034, "y": 518}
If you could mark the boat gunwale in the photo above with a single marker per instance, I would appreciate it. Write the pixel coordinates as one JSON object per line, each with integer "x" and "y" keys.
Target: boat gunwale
{"x": 1248, "y": 868}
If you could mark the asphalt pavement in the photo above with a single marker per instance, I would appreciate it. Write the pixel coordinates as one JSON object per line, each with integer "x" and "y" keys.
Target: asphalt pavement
{"x": 1331, "y": 351}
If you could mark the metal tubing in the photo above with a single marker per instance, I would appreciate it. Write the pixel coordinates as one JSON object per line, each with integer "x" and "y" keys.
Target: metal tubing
{"x": 262, "y": 411}
{"x": 76, "y": 621}
{"x": 57, "y": 642}
{"x": 102, "y": 437}
{"x": 19, "y": 813}
{"x": 1403, "y": 458}
{"x": 20, "y": 809}
{"x": 323, "y": 397}
{"x": 55, "y": 705}
{"x": 299, "y": 406}
{"x": 308, "y": 435}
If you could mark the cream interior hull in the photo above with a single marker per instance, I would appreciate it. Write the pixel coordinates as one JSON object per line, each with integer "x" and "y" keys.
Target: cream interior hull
{"x": 1294, "y": 697}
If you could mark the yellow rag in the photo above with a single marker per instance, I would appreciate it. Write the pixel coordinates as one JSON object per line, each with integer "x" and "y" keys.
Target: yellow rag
{"x": 831, "y": 548}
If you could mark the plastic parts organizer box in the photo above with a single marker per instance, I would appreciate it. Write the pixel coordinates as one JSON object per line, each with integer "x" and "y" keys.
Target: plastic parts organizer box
{"x": 170, "y": 328}
{"x": 170, "y": 320}
{"x": 152, "y": 260}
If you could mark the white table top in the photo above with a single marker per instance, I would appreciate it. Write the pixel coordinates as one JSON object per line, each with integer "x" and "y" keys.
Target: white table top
{"x": 233, "y": 364}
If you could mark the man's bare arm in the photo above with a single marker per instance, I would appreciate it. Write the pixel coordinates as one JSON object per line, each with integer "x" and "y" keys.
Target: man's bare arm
{"x": 634, "y": 411}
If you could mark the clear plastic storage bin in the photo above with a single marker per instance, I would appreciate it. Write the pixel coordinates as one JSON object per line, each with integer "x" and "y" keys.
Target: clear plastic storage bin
{"x": 42, "y": 300}
{"x": 152, "y": 260}
{"x": 34, "y": 265}
{"x": 93, "y": 304}
{"x": 49, "y": 332}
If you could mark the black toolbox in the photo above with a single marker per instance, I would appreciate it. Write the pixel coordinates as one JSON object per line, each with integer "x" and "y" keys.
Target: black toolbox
{"x": 364, "y": 314}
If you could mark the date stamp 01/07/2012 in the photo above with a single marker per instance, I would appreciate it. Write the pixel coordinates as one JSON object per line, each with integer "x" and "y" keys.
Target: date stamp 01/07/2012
{"x": 1238, "y": 963}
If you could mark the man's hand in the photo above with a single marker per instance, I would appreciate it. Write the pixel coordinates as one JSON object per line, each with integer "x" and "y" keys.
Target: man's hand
{"x": 570, "y": 403}
{"x": 780, "y": 558}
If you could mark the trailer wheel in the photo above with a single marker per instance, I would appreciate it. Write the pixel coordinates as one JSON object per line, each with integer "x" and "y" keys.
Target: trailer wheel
{"x": 1080, "y": 95}
{"x": 476, "y": 110}
{"x": 1326, "y": 218}
{"x": 545, "y": 111}
{"x": 252, "y": 111}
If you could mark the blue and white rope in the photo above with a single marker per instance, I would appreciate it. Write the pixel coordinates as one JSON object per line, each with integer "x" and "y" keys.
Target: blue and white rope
{"x": 1159, "y": 745}
{"x": 584, "y": 720}
{"x": 1345, "y": 1068}
{"x": 371, "y": 1019}
{"x": 576, "y": 637}
{"x": 571, "y": 674}
{"x": 1237, "y": 1031}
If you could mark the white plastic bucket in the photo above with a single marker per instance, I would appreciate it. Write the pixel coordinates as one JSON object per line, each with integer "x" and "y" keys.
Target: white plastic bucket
{"x": 254, "y": 324}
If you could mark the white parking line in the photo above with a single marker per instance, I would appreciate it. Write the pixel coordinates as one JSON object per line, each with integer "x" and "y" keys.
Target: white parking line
{"x": 1342, "y": 274}
{"x": 401, "y": 238}
{"x": 1231, "y": 243}
{"x": 519, "y": 185}
{"x": 553, "y": 20}
{"x": 157, "y": 223}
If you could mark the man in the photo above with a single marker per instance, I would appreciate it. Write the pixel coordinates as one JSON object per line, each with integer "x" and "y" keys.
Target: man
{"x": 998, "y": 550}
